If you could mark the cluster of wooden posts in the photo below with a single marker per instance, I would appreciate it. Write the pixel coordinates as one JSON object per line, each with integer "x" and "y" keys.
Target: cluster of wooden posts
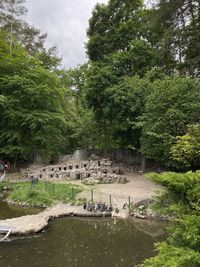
{"x": 128, "y": 204}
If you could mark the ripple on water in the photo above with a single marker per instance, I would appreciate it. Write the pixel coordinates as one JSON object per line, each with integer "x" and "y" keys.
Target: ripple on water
{"x": 77, "y": 242}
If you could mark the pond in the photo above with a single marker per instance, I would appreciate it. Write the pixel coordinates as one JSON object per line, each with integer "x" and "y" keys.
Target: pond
{"x": 7, "y": 212}
{"x": 74, "y": 242}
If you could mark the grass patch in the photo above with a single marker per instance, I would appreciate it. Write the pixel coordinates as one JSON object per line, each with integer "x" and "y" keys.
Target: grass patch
{"x": 43, "y": 193}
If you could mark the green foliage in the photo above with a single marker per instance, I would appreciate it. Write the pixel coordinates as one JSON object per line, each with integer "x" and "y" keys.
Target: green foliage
{"x": 186, "y": 232}
{"x": 185, "y": 187}
{"x": 117, "y": 50}
{"x": 112, "y": 27}
{"x": 34, "y": 116}
{"x": 173, "y": 256}
{"x": 127, "y": 39}
{"x": 182, "y": 198}
{"x": 43, "y": 193}
{"x": 137, "y": 60}
{"x": 186, "y": 150}
{"x": 83, "y": 125}
{"x": 172, "y": 104}
{"x": 175, "y": 29}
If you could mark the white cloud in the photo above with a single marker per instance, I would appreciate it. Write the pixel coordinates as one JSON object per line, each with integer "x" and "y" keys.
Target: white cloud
{"x": 65, "y": 22}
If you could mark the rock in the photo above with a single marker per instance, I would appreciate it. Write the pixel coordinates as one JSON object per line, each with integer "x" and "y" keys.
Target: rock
{"x": 140, "y": 216}
{"x": 145, "y": 203}
{"x": 142, "y": 207}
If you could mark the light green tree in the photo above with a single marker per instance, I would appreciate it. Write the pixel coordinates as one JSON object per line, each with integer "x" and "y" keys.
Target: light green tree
{"x": 186, "y": 150}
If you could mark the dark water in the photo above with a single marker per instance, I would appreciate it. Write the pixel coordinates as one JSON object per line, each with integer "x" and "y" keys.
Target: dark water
{"x": 73, "y": 242}
{"x": 7, "y": 212}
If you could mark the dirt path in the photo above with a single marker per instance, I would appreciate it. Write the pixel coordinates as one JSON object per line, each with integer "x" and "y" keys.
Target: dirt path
{"x": 138, "y": 188}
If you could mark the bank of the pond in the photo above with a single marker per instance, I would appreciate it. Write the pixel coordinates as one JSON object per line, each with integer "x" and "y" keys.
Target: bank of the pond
{"x": 31, "y": 224}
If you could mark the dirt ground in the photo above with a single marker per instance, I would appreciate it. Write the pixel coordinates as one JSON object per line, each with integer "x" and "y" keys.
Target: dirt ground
{"x": 138, "y": 188}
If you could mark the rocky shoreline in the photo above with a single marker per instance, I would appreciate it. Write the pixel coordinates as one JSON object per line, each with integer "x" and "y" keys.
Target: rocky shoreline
{"x": 31, "y": 224}
{"x": 142, "y": 210}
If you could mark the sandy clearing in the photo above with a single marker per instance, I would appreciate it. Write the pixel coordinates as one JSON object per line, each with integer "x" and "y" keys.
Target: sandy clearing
{"x": 138, "y": 188}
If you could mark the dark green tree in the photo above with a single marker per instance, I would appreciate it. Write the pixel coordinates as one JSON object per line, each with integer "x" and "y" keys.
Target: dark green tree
{"x": 173, "y": 103}
{"x": 175, "y": 29}
{"x": 34, "y": 107}
{"x": 116, "y": 49}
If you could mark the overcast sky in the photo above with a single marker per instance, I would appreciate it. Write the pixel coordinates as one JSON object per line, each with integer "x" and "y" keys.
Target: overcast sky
{"x": 65, "y": 22}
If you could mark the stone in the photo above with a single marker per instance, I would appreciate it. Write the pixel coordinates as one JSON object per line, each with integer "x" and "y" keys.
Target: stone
{"x": 141, "y": 207}
{"x": 104, "y": 171}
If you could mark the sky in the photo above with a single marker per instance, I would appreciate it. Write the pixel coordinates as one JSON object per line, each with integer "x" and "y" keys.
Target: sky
{"x": 65, "y": 22}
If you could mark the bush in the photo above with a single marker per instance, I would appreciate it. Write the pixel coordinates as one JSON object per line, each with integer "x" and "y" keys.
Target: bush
{"x": 182, "y": 198}
{"x": 170, "y": 256}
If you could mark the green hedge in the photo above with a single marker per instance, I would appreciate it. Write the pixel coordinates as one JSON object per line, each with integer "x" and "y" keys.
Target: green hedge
{"x": 182, "y": 198}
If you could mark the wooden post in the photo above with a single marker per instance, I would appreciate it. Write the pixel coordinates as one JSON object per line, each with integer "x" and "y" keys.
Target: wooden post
{"x": 129, "y": 204}
{"x": 92, "y": 195}
{"x": 110, "y": 200}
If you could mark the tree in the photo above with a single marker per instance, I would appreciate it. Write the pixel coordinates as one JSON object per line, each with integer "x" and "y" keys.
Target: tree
{"x": 117, "y": 49}
{"x": 176, "y": 30}
{"x": 34, "y": 116}
{"x": 138, "y": 60}
{"x": 186, "y": 150}
{"x": 100, "y": 77}
{"x": 30, "y": 37}
{"x": 112, "y": 27}
{"x": 77, "y": 78}
{"x": 126, "y": 102}
{"x": 10, "y": 10}
{"x": 173, "y": 103}
{"x": 21, "y": 32}
{"x": 49, "y": 57}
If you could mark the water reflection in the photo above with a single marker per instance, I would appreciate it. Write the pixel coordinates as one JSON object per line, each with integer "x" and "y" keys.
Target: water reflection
{"x": 7, "y": 212}
{"x": 74, "y": 242}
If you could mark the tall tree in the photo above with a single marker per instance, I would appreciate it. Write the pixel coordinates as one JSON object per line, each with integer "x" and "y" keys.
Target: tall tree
{"x": 10, "y": 11}
{"x": 117, "y": 48}
{"x": 176, "y": 28}
{"x": 30, "y": 37}
{"x": 35, "y": 108}
{"x": 112, "y": 27}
